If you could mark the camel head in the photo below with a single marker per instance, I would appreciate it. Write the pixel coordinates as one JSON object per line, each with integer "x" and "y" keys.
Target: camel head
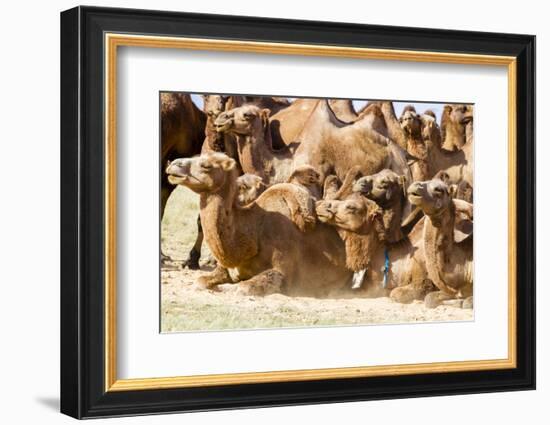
{"x": 355, "y": 213}
{"x": 214, "y": 104}
{"x": 384, "y": 187}
{"x": 205, "y": 173}
{"x": 305, "y": 175}
{"x": 410, "y": 122}
{"x": 249, "y": 187}
{"x": 245, "y": 120}
{"x": 454, "y": 120}
{"x": 432, "y": 196}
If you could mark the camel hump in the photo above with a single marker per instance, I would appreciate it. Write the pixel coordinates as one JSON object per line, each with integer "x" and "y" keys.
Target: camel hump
{"x": 291, "y": 200}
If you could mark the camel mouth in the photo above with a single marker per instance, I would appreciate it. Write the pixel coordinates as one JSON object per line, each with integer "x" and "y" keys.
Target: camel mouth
{"x": 175, "y": 180}
{"x": 324, "y": 215}
{"x": 224, "y": 126}
{"x": 415, "y": 199}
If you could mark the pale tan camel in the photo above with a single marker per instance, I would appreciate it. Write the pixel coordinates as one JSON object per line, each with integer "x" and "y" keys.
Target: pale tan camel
{"x": 261, "y": 241}
{"x": 456, "y": 126}
{"x": 448, "y": 230}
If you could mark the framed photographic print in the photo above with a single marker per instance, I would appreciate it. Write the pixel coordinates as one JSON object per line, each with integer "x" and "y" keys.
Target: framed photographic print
{"x": 261, "y": 212}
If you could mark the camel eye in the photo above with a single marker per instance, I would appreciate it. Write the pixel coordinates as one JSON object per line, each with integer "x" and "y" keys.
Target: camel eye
{"x": 438, "y": 191}
{"x": 206, "y": 166}
{"x": 248, "y": 115}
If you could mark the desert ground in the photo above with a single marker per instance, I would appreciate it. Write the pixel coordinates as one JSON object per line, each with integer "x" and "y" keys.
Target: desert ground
{"x": 185, "y": 306}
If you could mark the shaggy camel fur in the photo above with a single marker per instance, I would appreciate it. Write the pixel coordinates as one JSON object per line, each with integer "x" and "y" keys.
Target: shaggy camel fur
{"x": 359, "y": 223}
{"x": 261, "y": 241}
{"x": 448, "y": 227}
{"x": 332, "y": 147}
{"x": 182, "y": 127}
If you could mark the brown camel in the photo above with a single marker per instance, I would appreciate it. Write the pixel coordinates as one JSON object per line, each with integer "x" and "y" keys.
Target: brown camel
{"x": 407, "y": 132}
{"x": 261, "y": 241}
{"x": 249, "y": 187}
{"x": 250, "y": 128}
{"x": 182, "y": 127}
{"x": 448, "y": 229}
{"x": 457, "y": 164}
{"x": 379, "y": 267}
{"x": 456, "y": 126}
{"x": 386, "y": 189}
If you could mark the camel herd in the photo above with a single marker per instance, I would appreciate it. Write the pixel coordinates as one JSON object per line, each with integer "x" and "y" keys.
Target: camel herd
{"x": 311, "y": 197}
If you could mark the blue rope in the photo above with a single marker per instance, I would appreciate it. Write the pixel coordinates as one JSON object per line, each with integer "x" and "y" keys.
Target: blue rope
{"x": 386, "y": 269}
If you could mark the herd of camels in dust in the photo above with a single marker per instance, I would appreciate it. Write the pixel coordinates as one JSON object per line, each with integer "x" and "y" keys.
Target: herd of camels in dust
{"x": 310, "y": 197}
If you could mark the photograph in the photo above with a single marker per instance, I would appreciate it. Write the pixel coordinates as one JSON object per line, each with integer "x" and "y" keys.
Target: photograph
{"x": 291, "y": 212}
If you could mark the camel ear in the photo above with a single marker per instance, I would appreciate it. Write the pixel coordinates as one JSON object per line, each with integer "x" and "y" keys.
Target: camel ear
{"x": 464, "y": 220}
{"x": 330, "y": 187}
{"x": 265, "y": 116}
{"x": 402, "y": 181}
{"x": 452, "y": 190}
{"x": 227, "y": 164}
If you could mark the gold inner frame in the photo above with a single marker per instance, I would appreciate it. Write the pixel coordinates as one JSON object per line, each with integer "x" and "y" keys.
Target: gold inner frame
{"x": 113, "y": 41}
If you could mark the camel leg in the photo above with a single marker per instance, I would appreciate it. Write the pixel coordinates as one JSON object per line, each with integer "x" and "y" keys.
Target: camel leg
{"x": 195, "y": 254}
{"x": 468, "y": 302}
{"x": 267, "y": 282}
{"x": 164, "y": 194}
{"x": 413, "y": 291}
{"x": 433, "y": 299}
{"x": 217, "y": 277}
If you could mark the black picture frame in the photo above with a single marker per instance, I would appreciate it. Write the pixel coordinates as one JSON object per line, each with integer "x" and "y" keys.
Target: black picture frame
{"x": 82, "y": 212}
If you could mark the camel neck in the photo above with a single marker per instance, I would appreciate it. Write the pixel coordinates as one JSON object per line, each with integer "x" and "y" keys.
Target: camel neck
{"x": 361, "y": 248}
{"x": 257, "y": 157}
{"x": 455, "y": 136}
{"x": 253, "y": 155}
{"x": 222, "y": 223}
{"x": 438, "y": 245}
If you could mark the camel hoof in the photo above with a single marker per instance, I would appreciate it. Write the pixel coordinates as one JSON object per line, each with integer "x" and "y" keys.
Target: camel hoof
{"x": 192, "y": 261}
{"x": 210, "y": 262}
{"x": 402, "y": 295}
{"x": 468, "y": 303}
{"x": 266, "y": 283}
{"x": 217, "y": 277}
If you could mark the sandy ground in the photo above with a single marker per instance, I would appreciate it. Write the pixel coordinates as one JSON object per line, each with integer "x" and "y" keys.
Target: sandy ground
{"x": 188, "y": 307}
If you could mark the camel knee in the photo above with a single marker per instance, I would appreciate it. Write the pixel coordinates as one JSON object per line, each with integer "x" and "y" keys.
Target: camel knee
{"x": 434, "y": 299}
{"x": 217, "y": 277}
{"x": 266, "y": 283}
